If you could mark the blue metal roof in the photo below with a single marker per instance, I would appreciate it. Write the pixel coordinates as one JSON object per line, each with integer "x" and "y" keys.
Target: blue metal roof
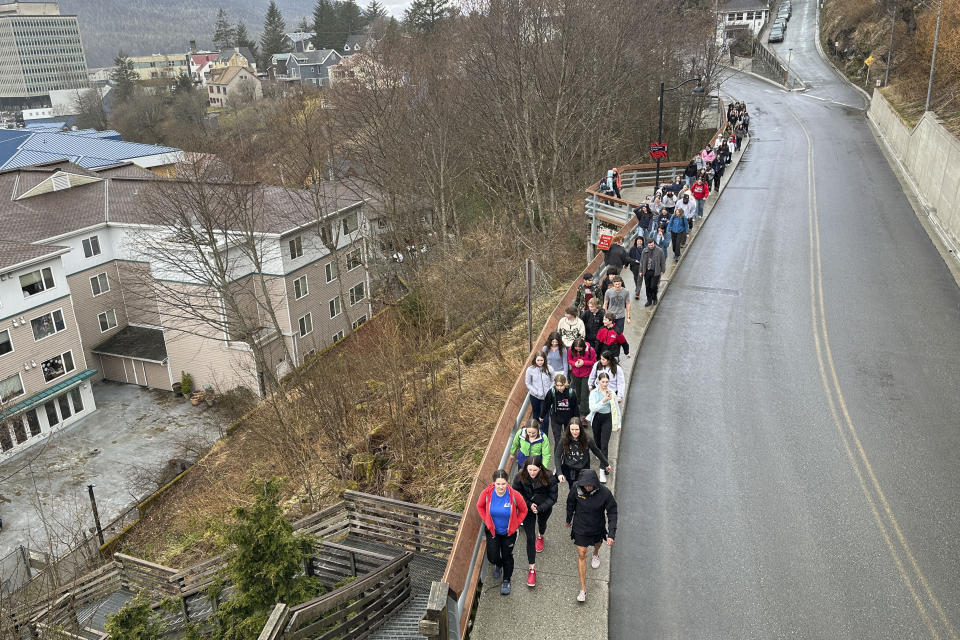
{"x": 37, "y": 398}
{"x": 88, "y": 148}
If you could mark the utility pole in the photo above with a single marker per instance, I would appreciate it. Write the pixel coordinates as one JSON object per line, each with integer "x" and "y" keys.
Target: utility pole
{"x": 936, "y": 37}
{"x": 893, "y": 25}
{"x": 96, "y": 514}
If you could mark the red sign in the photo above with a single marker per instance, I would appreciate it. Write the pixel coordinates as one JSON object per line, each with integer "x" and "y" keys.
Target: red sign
{"x": 658, "y": 150}
{"x": 605, "y": 241}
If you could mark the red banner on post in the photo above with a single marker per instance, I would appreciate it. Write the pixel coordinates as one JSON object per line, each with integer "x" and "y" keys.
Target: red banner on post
{"x": 658, "y": 150}
{"x": 604, "y": 242}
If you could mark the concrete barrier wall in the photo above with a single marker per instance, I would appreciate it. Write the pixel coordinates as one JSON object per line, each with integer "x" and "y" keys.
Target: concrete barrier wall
{"x": 931, "y": 156}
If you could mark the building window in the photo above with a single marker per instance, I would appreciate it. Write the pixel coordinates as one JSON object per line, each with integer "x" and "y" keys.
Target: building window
{"x": 99, "y": 284}
{"x": 357, "y": 293}
{"x": 359, "y": 321}
{"x": 108, "y": 320}
{"x": 57, "y": 366}
{"x": 48, "y": 324}
{"x": 354, "y": 259}
{"x": 296, "y": 248}
{"x": 36, "y": 282}
{"x": 350, "y": 223}
{"x": 33, "y": 423}
{"x": 335, "y": 307}
{"x": 306, "y": 325}
{"x": 331, "y": 271}
{"x": 6, "y": 344}
{"x": 300, "y": 287}
{"x": 11, "y": 387}
{"x": 338, "y": 336}
{"x": 64, "y": 407}
{"x": 51, "y": 410}
{"x": 91, "y": 247}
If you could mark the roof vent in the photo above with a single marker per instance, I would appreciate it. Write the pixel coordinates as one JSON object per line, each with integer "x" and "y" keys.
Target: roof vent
{"x": 60, "y": 181}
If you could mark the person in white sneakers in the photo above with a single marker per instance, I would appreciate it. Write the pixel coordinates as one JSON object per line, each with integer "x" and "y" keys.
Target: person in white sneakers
{"x": 592, "y": 518}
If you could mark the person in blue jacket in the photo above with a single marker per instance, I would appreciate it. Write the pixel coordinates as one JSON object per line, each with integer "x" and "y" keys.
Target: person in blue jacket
{"x": 678, "y": 228}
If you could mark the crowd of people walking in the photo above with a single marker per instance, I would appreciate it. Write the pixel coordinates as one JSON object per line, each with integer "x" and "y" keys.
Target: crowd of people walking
{"x": 577, "y": 386}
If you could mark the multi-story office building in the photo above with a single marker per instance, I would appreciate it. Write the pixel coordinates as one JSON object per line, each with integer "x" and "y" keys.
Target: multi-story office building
{"x": 40, "y": 51}
{"x": 84, "y": 295}
{"x": 161, "y": 65}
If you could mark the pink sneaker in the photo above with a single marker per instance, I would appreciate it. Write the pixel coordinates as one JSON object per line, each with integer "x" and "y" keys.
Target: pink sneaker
{"x": 539, "y": 544}
{"x": 532, "y": 578}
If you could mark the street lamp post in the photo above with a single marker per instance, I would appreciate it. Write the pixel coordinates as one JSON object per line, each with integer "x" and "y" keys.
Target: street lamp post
{"x": 936, "y": 37}
{"x": 697, "y": 91}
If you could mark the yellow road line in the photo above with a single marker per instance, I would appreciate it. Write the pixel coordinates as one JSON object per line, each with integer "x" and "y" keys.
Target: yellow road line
{"x": 818, "y": 317}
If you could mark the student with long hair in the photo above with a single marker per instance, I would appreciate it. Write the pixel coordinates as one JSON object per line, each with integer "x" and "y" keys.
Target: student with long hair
{"x": 607, "y": 363}
{"x": 529, "y": 441}
{"x": 539, "y": 489}
{"x": 561, "y": 404}
{"x": 556, "y": 353}
{"x": 502, "y": 510}
{"x": 581, "y": 357}
{"x": 604, "y": 414}
{"x": 539, "y": 379}
{"x": 573, "y": 453}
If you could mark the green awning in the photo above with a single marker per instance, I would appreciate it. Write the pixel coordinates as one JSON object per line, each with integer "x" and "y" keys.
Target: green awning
{"x": 38, "y": 398}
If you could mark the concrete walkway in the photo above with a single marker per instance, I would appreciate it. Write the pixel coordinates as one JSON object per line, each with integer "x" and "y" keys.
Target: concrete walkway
{"x": 550, "y": 609}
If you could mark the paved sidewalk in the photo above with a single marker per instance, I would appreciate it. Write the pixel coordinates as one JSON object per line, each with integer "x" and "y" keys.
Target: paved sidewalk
{"x": 550, "y": 609}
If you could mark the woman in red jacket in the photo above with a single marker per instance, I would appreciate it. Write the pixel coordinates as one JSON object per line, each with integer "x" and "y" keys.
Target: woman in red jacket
{"x": 502, "y": 510}
{"x": 581, "y": 357}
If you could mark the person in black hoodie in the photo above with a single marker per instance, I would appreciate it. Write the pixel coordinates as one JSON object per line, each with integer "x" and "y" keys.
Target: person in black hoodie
{"x": 593, "y": 321}
{"x": 644, "y": 220}
{"x": 539, "y": 489}
{"x": 592, "y": 518}
{"x": 573, "y": 453}
{"x": 562, "y": 404}
{"x": 616, "y": 256}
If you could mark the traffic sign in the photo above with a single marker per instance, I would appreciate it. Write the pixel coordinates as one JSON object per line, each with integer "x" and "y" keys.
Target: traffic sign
{"x": 605, "y": 241}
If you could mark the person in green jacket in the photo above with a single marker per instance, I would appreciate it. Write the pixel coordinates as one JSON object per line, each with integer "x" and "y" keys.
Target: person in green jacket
{"x": 529, "y": 441}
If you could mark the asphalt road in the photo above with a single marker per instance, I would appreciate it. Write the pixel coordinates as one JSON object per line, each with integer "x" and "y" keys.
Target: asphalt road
{"x": 788, "y": 464}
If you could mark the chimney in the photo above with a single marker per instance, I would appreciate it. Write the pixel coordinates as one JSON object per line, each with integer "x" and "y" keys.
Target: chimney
{"x": 193, "y": 46}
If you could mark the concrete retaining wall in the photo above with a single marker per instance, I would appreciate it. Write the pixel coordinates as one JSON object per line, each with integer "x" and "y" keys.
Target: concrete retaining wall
{"x": 930, "y": 154}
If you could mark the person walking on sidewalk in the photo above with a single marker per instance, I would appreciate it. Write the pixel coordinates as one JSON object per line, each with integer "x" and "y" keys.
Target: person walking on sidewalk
{"x": 561, "y": 404}
{"x": 604, "y": 414}
{"x": 530, "y": 440}
{"x": 539, "y": 490}
{"x": 635, "y": 252}
{"x": 573, "y": 454}
{"x": 592, "y": 320}
{"x": 662, "y": 238}
{"x": 617, "y": 302}
{"x": 607, "y": 363}
{"x": 653, "y": 263}
{"x": 718, "y": 169}
{"x": 539, "y": 379}
{"x": 700, "y": 192}
{"x": 581, "y": 358}
{"x": 592, "y": 518}
{"x": 690, "y": 173}
{"x": 502, "y": 510}
{"x": 570, "y": 327}
{"x": 644, "y": 220}
{"x": 616, "y": 256}
{"x": 585, "y": 291}
{"x": 689, "y": 208}
{"x": 556, "y": 354}
{"x": 610, "y": 340}
{"x": 678, "y": 233}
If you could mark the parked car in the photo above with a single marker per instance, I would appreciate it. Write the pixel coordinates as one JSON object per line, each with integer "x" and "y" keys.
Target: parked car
{"x": 776, "y": 35}
{"x": 780, "y": 23}
{"x": 786, "y": 7}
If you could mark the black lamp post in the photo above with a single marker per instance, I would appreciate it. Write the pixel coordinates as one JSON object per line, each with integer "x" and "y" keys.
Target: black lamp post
{"x": 697, "y": 91}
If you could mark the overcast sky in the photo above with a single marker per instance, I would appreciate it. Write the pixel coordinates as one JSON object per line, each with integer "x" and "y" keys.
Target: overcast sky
{"x": 395, "y": 7}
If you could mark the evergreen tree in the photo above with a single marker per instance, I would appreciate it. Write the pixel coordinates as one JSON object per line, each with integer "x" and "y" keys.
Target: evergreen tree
{"x": 325, "y": 26}
{"x": 274, "y": 28}
{"x": 244, "y": 39}
{"x": 123, "y": 77}
{"x": 424, "y": 15}
{"x": 373, "y": 11}
{"x": 264, "y": 565}
{"x": 136, "y": 621}
{"x": 304, "y": 26}
{"x": 183, "y": 83}
{"x": 224, "y": 35}
{"x": 349, "y": 19}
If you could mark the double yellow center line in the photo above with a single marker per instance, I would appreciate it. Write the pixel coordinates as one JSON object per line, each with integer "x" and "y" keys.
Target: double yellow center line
{"x": 926, "y": 602}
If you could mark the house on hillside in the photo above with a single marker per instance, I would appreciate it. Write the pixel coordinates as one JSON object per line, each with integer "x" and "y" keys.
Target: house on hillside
{"x": 233, "y": 57}
{"x": 86, "y": 294}
{"x": 358, "y": 43}
{"x": 200, "y": 64}
{"x": 307, "y": 68}
{"x": 232, "y": 85}
{"x": 737, "y": 16}
{"x": 299, "y": 42}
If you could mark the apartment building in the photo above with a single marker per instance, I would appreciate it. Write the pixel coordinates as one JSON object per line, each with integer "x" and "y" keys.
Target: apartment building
{"x": 161, "y": 65}
{"x": 92, "y": 287}
{"x": 40, "y": 51}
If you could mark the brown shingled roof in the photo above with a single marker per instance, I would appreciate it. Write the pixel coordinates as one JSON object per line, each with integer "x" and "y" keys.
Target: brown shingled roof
{"x": 15, "y": 253}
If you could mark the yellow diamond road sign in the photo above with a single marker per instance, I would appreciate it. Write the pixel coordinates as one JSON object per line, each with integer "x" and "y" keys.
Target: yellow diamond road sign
{"x": 868, "y": 61}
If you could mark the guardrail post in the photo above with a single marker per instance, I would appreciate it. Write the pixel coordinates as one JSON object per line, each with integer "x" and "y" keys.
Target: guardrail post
{"x": 435, "y": 623}
{"x": 353, "y": 564}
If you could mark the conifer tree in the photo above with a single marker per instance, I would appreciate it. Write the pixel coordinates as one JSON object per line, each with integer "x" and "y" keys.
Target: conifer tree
{"x": 224, "y": 35}
{"x": 373, "y": 11}
{"x": 274, "y": 28}
{"x": 243, "y": 39}
{"x": 123, "y": 77}
{"x": 326, "y": 26}
{"x": 424, "y": 15}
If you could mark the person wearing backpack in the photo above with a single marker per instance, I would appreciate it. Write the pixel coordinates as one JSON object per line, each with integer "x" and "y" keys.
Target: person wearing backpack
{"x": 529, "y": 440}
{"x": 592, "y": 519}
{"x": 561, "y": 404}
{"x": 592, "y": 320}
{"x": 573, "y": 453}
{"x": 585, "y": 291}
{"x": 502, "y": 510}
{"x": 539, "y": 490}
